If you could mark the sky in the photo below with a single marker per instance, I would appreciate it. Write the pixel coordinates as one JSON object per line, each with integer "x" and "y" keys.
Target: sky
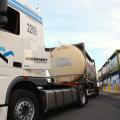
{"x": 94, "y": 22}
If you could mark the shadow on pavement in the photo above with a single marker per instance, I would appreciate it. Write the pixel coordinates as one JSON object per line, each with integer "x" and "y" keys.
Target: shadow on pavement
{"x": 62, "y": 111}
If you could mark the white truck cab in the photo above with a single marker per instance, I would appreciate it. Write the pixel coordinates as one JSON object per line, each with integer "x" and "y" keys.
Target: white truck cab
{"x": 22, "y": 50}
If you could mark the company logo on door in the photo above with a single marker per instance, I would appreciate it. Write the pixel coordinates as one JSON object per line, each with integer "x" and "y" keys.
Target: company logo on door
{"x": 4, "y": 54}
{"x": 37, "y": 60}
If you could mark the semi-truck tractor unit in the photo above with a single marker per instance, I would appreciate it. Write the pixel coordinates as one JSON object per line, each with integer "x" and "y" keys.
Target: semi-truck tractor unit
{"x": 25, "y": 90}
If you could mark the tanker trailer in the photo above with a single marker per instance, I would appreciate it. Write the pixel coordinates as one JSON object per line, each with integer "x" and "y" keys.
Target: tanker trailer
{"x": 114, "y": 62}
{"x": 72, "y": 64}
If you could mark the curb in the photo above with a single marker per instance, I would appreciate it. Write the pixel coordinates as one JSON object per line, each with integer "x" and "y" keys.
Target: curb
{"x": 112, "y": 95}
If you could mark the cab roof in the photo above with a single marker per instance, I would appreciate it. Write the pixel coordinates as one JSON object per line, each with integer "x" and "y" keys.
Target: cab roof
{"x": 26, "y": 10}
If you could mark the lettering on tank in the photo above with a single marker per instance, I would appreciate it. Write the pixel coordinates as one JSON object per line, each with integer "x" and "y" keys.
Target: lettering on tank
{"x": 62, "y": 62}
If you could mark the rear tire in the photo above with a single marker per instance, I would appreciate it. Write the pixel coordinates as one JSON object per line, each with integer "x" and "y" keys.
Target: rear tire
{"x": 23, "y": 106}
{"x": 82, "y": 98}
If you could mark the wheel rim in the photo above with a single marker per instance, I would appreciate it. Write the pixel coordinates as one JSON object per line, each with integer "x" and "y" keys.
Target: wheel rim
{"x": 82, "y": 97}
{"x": 24, "y": 109}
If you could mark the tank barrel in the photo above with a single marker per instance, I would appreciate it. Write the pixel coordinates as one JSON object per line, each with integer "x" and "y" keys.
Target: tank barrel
{"x": 70, "y": 64}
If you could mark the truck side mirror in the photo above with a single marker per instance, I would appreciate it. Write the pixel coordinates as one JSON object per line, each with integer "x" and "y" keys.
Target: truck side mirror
{"x": 3, "y": 12}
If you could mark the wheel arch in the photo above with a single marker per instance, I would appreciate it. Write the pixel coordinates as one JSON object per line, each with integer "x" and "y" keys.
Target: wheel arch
{"x": 21, "y": 83}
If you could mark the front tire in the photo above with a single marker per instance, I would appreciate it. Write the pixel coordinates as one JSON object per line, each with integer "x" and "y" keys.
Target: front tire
{"x": 23, "y": 106}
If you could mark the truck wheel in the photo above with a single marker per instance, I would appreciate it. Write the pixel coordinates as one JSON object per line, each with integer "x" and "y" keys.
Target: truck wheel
{"x": 23, "y": 106}
{"x": 82, "y": 98}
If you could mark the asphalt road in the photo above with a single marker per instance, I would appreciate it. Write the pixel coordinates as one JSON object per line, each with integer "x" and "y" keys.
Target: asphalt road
{"x": 99, "y": 108}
